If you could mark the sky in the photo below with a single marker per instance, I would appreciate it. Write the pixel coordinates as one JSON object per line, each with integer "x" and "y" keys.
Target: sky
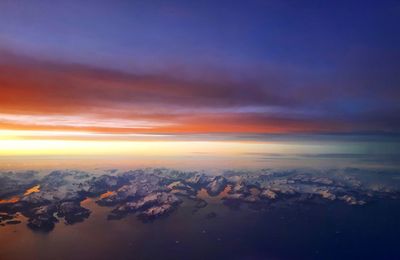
{"x": 128, "y": 70}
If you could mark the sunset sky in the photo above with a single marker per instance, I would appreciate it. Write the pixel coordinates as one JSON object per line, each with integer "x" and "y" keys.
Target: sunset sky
{"x": 108, "y": 74}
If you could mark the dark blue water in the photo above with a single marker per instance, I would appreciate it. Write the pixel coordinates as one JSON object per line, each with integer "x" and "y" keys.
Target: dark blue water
{"x": 301, "y": 231}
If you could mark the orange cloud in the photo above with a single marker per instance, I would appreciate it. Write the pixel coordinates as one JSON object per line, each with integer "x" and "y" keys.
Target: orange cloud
{"x": 37, "y": 95}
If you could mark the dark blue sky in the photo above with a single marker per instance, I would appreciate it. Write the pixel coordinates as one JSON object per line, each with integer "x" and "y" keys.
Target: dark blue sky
{"x": 307, "y": 33}
{"x": 317, "y": 62}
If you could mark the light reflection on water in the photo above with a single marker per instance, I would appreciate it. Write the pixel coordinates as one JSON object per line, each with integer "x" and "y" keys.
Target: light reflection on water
{"x": 14, "y": 199}
{"x": 10, "y": 200}
{"x": 32, "y": 190}
{"x": 100, "y": 238}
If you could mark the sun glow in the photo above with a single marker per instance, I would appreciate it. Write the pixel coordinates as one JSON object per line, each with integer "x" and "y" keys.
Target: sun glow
{"x": 43, "y": 143}
{"x": 154, "y": 148}
{"x": 30, "y": 142}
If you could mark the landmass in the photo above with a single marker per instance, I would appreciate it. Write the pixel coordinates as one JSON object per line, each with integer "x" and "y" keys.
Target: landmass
{"x": 153, "y": 193}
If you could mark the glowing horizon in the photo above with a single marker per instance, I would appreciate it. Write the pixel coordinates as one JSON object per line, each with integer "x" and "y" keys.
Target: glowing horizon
{"x": 45, "y": 143}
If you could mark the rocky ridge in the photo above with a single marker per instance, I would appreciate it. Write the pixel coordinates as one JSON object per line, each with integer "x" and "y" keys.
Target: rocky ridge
{"x": 151, "y": 193}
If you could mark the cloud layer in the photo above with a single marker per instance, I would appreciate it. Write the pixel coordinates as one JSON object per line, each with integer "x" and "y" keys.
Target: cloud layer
{"x": 48, "y": 95}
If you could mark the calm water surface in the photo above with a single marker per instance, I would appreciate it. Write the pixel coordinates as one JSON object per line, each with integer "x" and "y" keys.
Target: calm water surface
{"x": 328, "y": 231}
